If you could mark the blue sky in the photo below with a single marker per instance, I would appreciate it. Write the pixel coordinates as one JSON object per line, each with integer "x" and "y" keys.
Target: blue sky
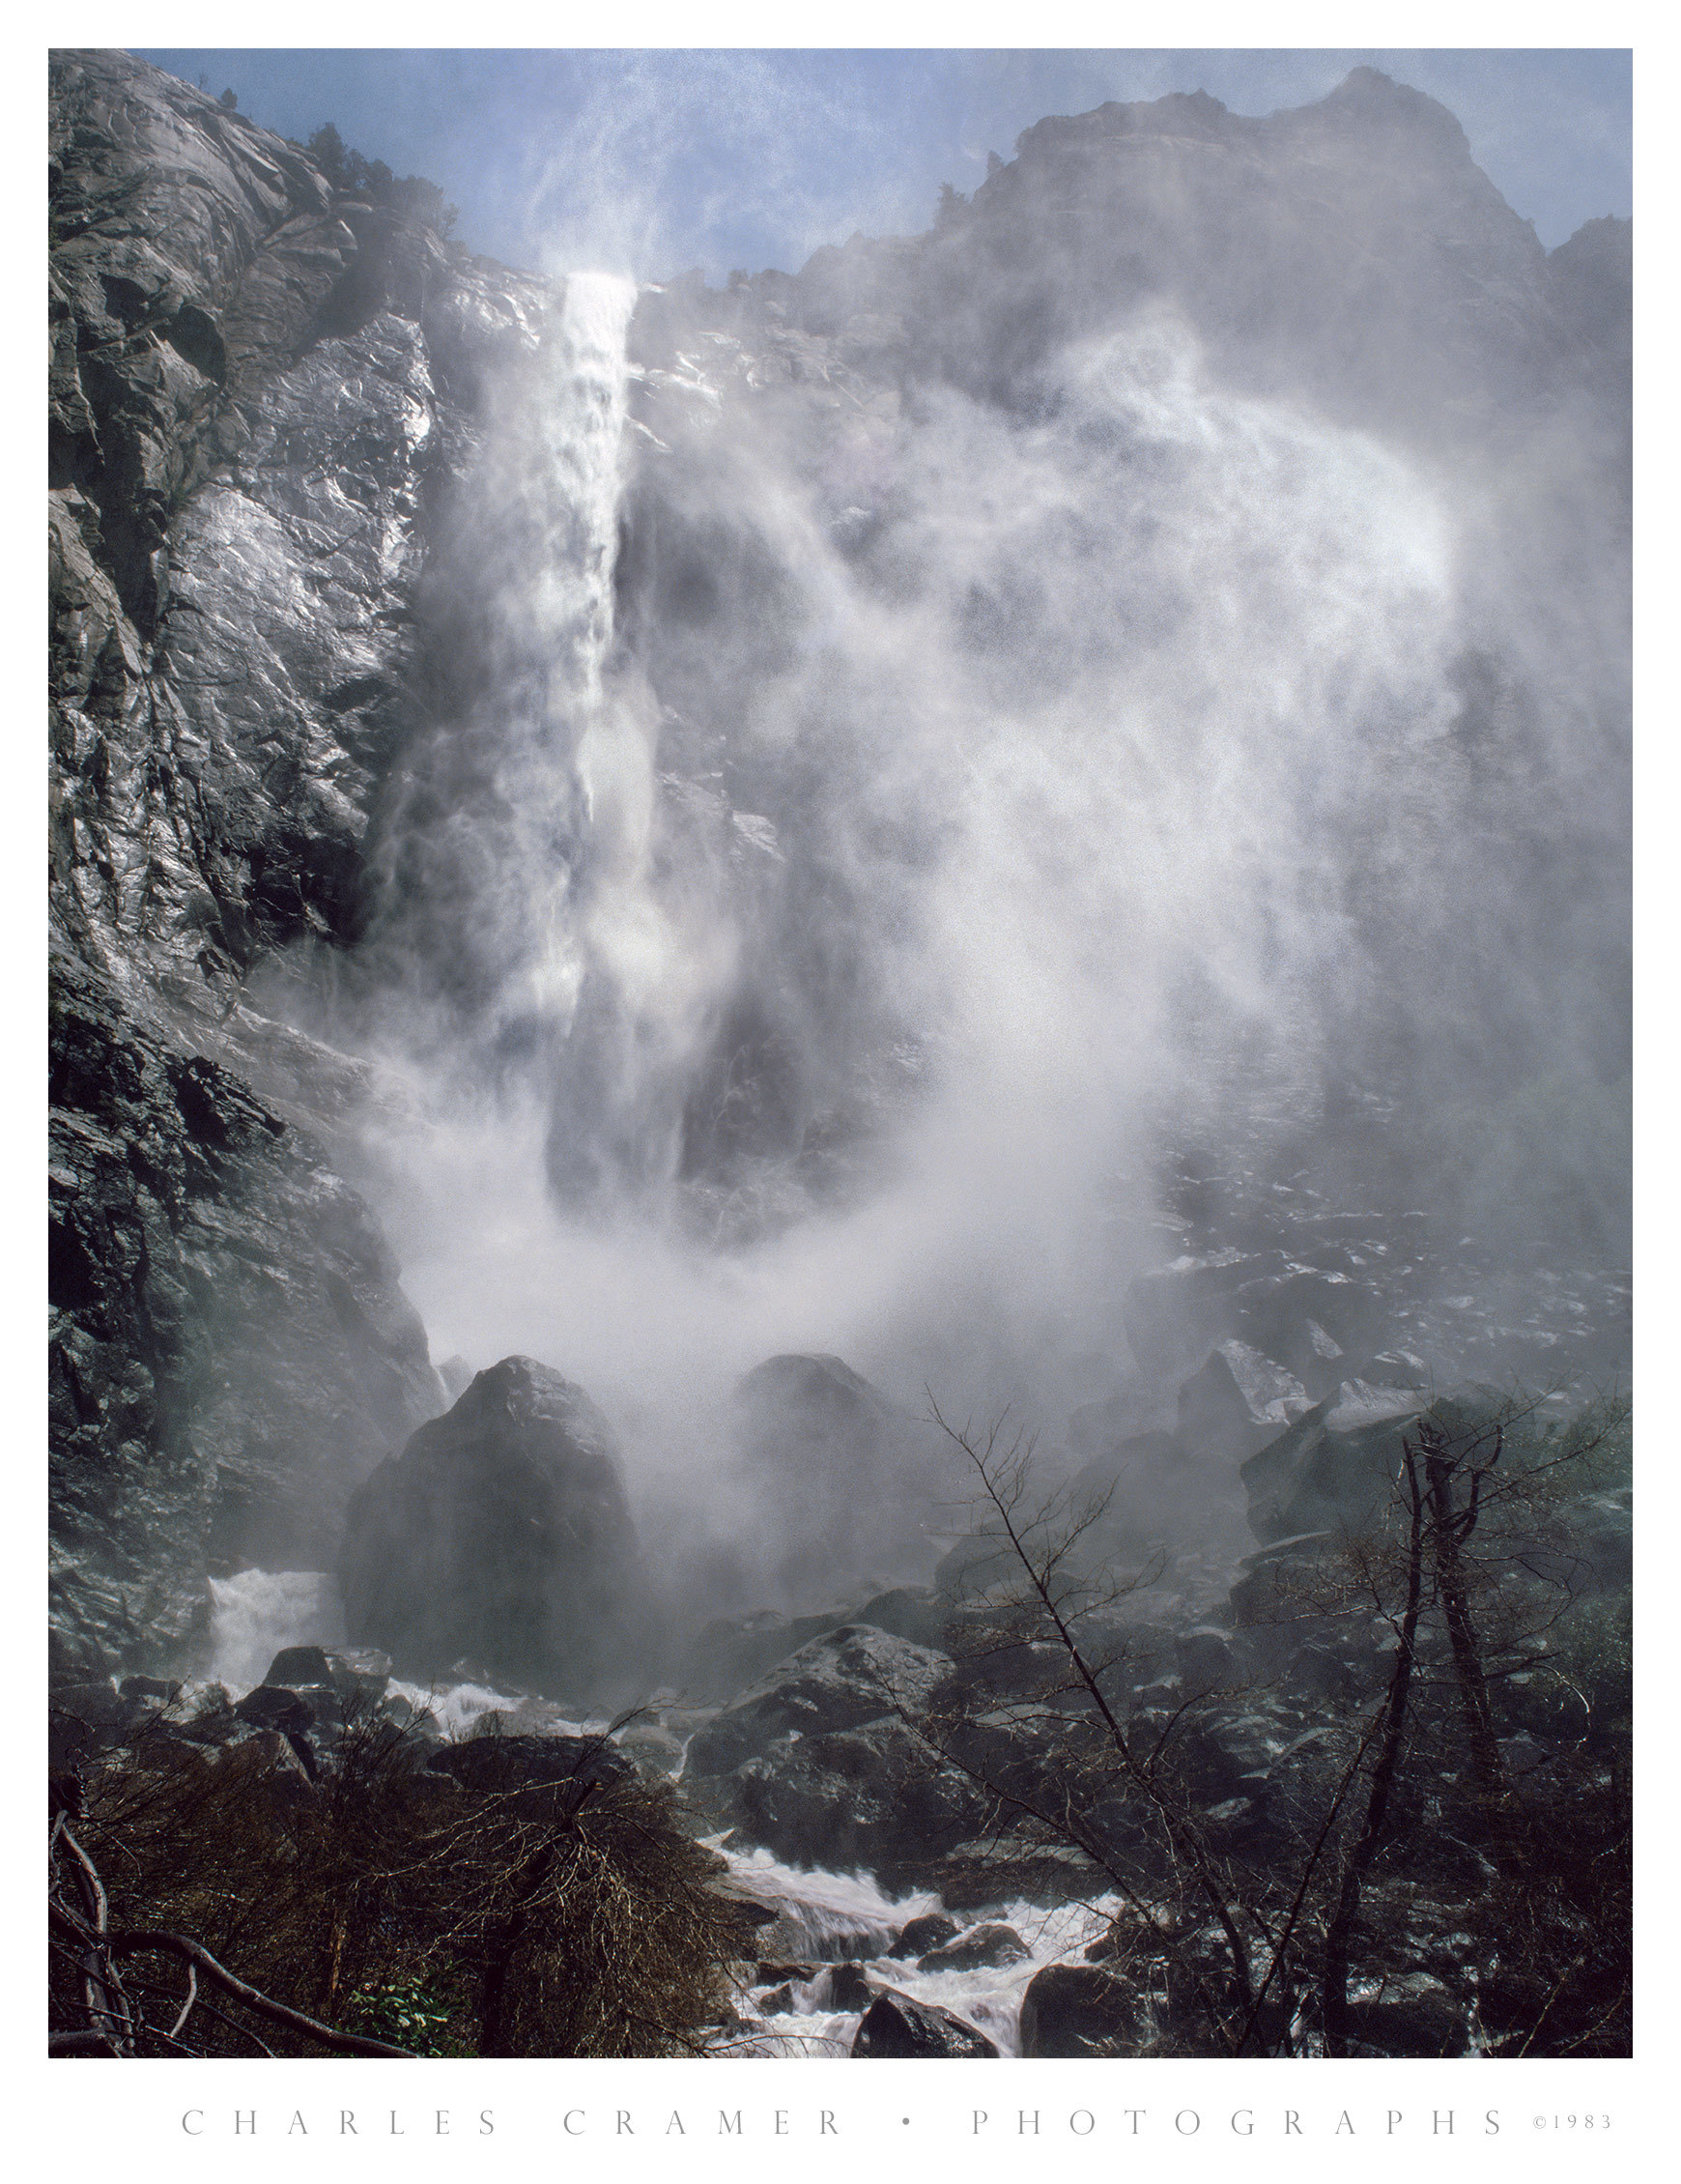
{"x": 652, "y": 160}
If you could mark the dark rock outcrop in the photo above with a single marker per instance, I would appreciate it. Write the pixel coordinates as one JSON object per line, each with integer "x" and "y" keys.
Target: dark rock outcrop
{"x": 851, "y": 1675}
{"x": 530, "y": 1763}
{"x": 1077, "y": 2009}
{"x": 1333, "y": 1468}
{"x": 818, "y": 1763}
{"x": 228, "y": 1348}
{"x": 502, "y": 1532}
{"x": 866, "y": 1796}
{"x": 897, "y": 2024}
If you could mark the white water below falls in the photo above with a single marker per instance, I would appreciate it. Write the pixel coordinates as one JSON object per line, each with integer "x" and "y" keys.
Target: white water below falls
{"x": 256, "y": 1612}
{"x": 826, "y": 1918}
{"x": 822, "y": 1919}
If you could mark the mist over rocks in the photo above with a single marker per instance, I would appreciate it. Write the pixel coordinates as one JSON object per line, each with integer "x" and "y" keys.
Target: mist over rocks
{"x": 760, "y": 825}
{"x": 502, "y": 1533}
{"x": 840, "y": 1483}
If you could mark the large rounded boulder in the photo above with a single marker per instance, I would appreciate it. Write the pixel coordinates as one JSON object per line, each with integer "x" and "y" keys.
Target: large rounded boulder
{"x": 842, "y": 1486}
{"x": 501, "y": 1533}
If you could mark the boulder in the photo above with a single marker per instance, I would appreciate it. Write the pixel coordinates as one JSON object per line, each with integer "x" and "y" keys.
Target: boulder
{"x": 844, "y": 1987}
{"x": 894, "y": 2025}
{"x": 160, "y": 1689}
{"x": 501, "y": 1531}
{"x": 983, "y": 1947}
{"x": 871, "y": 1796}
{"x": 1237, "y": 1403}
{"x": 270, "y": 1707}
{"x": 1078, "y": 2009}
{"x": 928, "y": 1932}
{"x": 848, "y": 1676}
{"x": 842, "y": 1484}
{"x": 530, "y": 1763}
{"x": 1333, "y": 1468}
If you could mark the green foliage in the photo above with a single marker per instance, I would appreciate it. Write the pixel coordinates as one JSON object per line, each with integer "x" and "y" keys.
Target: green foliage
{"x": 415, "y": 2010}
{"x": 349, "y": 172}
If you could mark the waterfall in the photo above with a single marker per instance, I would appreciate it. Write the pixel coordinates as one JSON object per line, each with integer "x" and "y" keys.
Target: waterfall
{"x": 867, "y": 831}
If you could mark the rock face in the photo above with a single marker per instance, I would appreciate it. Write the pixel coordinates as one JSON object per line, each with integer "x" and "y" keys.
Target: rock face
{"x": 258, "y": 392}
{"x": 228, "y": 1347}
{"x": 248, "y": 419}
{"x": 501, "y": 1533}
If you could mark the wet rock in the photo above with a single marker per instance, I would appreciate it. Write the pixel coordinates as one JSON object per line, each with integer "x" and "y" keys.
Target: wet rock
{"x": 271, "y": 1708}
{"x": 155, "y": 1687}
{"x": 1410, "y": 2015}
{"x": 844, "y": 1987}
{"x": 769, "y": 1971}
{"x": 1077, "y": 2009}
{"x": 869, "y": 1797}
{"x": 502, "y": 1529}
{"x": 530, "y": 1763}
{"x": 228, "y": 1348}
{"x": 848, "y": 1675}
{"x": 346, "y": 1689}
{"x": 1333, "y": 1470}
{"x": 985, "y": 1945}
{"x": 932, "y": 1931}
{"x": 1237, "y": 1403}
{"x": 894, "y": 2025}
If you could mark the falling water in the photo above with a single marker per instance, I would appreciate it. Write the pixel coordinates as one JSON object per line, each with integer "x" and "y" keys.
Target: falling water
{"x": 863, "y": 840}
